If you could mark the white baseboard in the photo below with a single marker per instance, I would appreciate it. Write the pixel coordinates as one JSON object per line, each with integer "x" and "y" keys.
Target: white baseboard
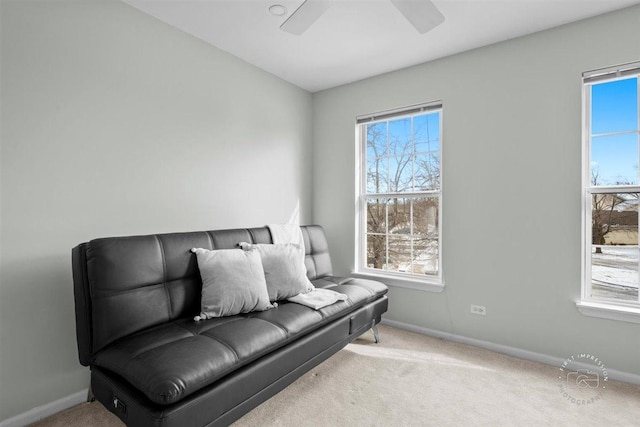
{"x": 48, "y": 409}
{"x": 504, "y": 349}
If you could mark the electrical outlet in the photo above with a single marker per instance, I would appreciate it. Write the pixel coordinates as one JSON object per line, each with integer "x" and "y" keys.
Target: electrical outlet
{"x": 478, "y": 309}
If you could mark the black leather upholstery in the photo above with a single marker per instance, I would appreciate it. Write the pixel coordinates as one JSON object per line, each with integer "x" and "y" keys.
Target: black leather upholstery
{"x": 135, "y": 301}
{"x": 317, "y": 259}
{"x": 237, "y": 393}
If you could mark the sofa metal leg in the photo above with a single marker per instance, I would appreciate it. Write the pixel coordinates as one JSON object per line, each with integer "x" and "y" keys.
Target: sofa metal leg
{"x": 374, "y": 328}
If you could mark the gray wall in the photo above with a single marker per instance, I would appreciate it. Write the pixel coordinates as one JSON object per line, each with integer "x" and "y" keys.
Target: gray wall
{"x": 114, "y": 123}
{"x": 511, "y": 201}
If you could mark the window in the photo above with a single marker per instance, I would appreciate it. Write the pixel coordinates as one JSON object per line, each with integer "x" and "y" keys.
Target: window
{"x": 611, "y": 187}
{"x": 399, "y": 193}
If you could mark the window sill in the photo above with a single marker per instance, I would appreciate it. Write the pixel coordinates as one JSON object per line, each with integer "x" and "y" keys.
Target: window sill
{"x": 402, "y": 282}
{"x": 609, "y": 311}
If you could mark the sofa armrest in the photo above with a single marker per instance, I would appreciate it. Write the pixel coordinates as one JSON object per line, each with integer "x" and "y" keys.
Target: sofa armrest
{"x": 82, "y": 301}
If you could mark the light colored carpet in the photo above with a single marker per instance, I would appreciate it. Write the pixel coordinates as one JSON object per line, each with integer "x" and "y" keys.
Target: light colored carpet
{"x": 413, "y": 380}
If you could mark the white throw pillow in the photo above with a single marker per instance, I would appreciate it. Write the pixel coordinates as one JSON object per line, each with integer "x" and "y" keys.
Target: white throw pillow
{"x": 233, "y": 282}
{"x": 284, "y": 269}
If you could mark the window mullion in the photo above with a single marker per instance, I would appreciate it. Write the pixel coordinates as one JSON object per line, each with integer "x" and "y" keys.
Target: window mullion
{"x": 413, "y": 156}
{"x": 625, "y": 132}
{"x": 413, "y": 188}
{"x": 410, "y": 194}
{"x": 411, "y": 234}
{"x": 388, "y": 156}
{"x": 588, "y": 201}
{"x": 386, "y": 205}
{"x": 588, "y": 206}
{"x": 386, "y": 234}
{"x": 606, "y": 189}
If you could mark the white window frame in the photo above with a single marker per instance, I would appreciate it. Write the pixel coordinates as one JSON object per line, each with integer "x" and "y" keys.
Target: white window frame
{"x": 427, "y": 282}
{"x": 588, "y": 305}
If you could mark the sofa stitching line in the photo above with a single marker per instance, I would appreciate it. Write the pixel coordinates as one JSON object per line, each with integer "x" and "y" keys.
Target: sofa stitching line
{"x": 305, "y": 233}
{"x": 227, "y": 320}
{"x": 313, "y": 256}
{"x": 286, "y": 333}
{"x": 184, "y": 327}
{"x": 225, "y": 323}
{"x": 164, "y": 275}
{"x": 224, "y": 344}
{"x": 277, "y": 325}
{"x": 220, "y": 340}
{"x": 110, "y": 293}
{"x": 138, "y": 353}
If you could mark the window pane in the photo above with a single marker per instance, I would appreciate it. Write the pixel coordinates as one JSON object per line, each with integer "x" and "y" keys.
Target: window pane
{"x": 399, "y": 216}
{"x": 425, "y": 256}
{"x": 376, "y": 216}
{"x": 426, "y": 130}
{"x": 400, "y": 174}
{"x": 614, "y": 159}
{"x": 614, "y": 251}
{"x": 378, "y": 176}
{"x": 427, "y": 171}
{"x": 614, "y": 106}
{"x": 400, "y": 137}
{"x": 399, "y": 253}
{"x": 377, "y": 140}
{"x": 425, "y": 217}
{"x": 400, "y": 151}
{"x": 376, "y": 251}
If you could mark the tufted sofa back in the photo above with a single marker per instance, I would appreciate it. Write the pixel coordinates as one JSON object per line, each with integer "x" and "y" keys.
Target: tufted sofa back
{"x": 123, "y": 285}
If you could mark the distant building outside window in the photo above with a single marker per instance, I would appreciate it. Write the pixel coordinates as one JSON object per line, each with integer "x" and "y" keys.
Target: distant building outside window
{"x": 611, "y": 186}
{"x": 399, "y": 193}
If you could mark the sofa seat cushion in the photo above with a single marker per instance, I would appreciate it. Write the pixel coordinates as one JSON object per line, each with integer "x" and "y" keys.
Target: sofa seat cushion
{"x": 173, "y": 360}
{"x": 374, "y": 288}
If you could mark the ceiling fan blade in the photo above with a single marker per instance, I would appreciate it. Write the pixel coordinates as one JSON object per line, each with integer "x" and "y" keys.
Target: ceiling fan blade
{"x": 421, "y": 13}
{"x": 304, "y": 16}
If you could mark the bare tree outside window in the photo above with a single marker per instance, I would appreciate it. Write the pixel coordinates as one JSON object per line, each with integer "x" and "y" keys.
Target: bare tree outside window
{"x": 609, "y": 210}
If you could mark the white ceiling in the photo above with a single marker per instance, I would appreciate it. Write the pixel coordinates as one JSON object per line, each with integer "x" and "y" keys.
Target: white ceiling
{"x": 356, "y": 39}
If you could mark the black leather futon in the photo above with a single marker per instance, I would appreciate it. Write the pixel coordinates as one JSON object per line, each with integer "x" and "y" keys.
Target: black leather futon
{"x": 153, "y": 365}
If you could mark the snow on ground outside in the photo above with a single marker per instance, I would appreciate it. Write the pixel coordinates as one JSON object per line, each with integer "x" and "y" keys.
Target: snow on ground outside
{"x": 614, "y": 272}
